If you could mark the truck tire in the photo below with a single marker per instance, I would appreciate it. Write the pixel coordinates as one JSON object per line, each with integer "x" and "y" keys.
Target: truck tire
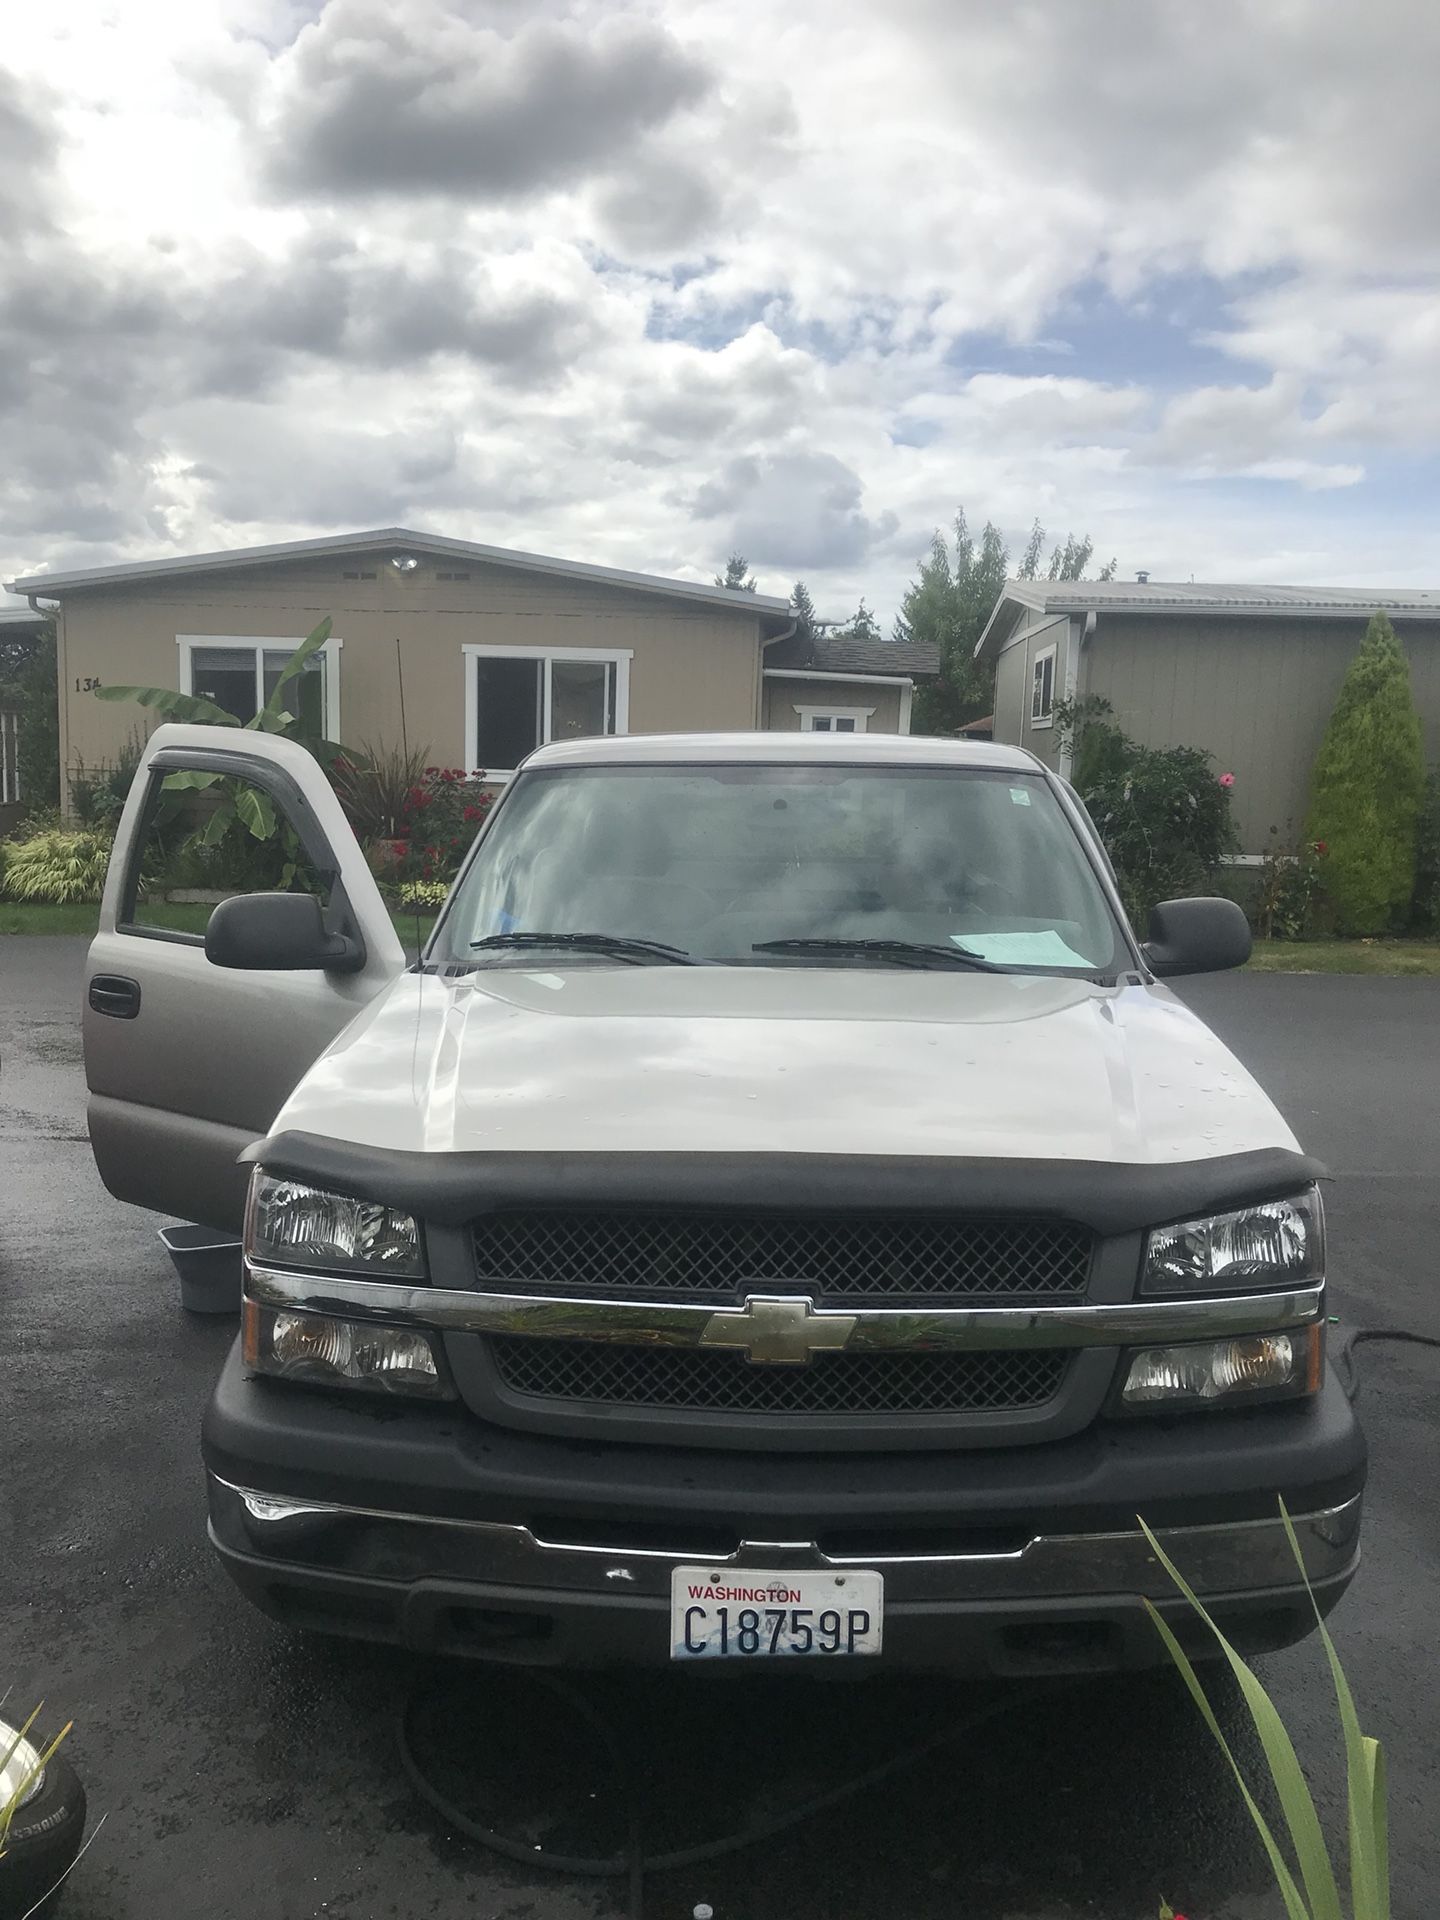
{"x": 44, "y": 1838}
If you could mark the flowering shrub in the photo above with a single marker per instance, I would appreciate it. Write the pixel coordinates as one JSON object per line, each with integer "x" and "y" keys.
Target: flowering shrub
{"x": 1290, "y": 884}
{"x": 439, "y": 819}
{"x": 1162, "y": 812}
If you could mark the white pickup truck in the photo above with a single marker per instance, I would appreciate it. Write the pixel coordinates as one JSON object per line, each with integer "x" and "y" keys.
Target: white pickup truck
{"x": 783, "y": 1216}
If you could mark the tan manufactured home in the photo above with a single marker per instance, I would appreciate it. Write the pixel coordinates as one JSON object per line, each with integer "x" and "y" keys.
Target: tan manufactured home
{"x": 494, "y": 651}
{"x": 1249, "y": 674}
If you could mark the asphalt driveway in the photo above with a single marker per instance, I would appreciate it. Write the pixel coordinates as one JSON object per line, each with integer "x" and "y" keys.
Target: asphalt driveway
{"x": 249, "y": 1772}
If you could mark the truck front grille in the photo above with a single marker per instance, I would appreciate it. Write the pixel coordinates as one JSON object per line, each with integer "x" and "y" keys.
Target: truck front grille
{"x": 722, "y": 1255}
{"x": 700, "y": 1381}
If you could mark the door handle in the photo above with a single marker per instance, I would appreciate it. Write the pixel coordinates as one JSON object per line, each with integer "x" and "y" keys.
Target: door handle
{"x": 112, "y": 993}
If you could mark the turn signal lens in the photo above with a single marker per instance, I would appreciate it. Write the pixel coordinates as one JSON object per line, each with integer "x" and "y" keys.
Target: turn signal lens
{"x": 326, "y": 1352}
{"x": 1210, "y": 1373}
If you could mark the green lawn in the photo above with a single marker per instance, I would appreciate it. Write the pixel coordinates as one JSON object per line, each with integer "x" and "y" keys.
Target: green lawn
{"x": 1347, "y": 956}
{"x": 1270, "y": 956}
{"x": 16, "y": 917}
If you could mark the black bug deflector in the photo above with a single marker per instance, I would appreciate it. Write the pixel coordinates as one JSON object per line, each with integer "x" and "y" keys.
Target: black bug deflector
{"x": 1110, "y": 1197}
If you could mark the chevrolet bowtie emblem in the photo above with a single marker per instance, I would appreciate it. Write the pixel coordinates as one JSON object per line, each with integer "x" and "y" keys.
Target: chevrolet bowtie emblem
{"x": 778, "y": 1332}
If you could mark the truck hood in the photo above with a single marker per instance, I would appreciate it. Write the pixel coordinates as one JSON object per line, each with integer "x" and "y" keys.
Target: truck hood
{"x": 655, "y": 1059}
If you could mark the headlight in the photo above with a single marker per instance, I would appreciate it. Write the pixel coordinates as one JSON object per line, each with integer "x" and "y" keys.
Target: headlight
{"x": 327, "y": 1352}
{"x": 1280, "y": 1240}
{"x": 299, "y": 1226}
{"x": 1268, "y": 1366}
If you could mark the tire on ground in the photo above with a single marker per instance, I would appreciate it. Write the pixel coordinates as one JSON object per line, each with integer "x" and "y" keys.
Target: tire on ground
{"x": 44, "y": 1838}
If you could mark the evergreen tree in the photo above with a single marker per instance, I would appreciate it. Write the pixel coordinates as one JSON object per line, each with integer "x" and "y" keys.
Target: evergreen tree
{"x": 803, "y": 609}
{"x": 737, "y": 575}
{"x": 1366, "y": 787}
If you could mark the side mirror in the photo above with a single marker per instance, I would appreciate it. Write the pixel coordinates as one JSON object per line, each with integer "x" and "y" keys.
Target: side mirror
{"x": 283, "y": 932}
{"x": 1196, "y": 936}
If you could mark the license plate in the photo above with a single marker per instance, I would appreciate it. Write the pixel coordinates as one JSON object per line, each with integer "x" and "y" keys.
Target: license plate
{"x": 732, "y": 1614}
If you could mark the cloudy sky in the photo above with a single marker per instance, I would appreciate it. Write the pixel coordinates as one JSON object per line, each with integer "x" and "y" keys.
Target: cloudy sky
{"x": 641, "y": 282}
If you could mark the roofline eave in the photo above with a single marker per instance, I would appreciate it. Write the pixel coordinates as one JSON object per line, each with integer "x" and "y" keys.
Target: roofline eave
{"x": 767, "y": 607}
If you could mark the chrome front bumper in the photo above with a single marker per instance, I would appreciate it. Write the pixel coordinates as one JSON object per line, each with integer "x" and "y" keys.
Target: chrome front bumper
{"x": 406, "y": 1548}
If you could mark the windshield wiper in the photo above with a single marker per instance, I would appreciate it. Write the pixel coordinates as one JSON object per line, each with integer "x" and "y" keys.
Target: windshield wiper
{"x": 620, "y": 945}
{"x": 905, "y": 953}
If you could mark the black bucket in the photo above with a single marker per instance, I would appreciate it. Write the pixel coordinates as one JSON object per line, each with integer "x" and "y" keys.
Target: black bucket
{"x": 208, "y": 1263}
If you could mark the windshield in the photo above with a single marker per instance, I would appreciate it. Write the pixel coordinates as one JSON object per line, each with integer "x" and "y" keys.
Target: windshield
{"x": 717, "y": 863}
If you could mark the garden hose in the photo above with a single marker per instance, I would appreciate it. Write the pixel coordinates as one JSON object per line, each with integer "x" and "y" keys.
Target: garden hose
{"x": 633, "y": 1864}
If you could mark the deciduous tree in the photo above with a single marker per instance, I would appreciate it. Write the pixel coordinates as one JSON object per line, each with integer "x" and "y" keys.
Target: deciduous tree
{"x": 862, "y": 625}
{"x": 949, "y": 603}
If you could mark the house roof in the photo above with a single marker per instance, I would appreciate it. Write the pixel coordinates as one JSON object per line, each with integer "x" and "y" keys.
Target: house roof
{"x": 15, "y": 613}
{"x": 772, "y": 611}
{"x": 842, "y": 653}
{"x": 1201, "y": 598}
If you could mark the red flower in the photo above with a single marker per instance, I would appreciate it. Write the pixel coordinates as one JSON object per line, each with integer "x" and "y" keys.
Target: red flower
{"x": 1227, "y": 779}
{"x": 430, "y": 772}
{"x": 451, "y": 774}
{"x": 1321, "y": 848}
{"x": 474, "y": 813}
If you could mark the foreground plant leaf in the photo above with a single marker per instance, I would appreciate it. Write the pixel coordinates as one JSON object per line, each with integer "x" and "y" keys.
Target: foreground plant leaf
{"x": 1322, "y": 1898}
{"x": 1364, "y": 1774}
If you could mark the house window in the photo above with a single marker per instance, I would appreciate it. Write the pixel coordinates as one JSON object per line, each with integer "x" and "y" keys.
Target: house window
{"x": 9, "y": 757}
{"x": 834, "y": 719}
{"x": 240, "y": 674}
{"x": 1042, "y": 689}
{"x": 520, "y": 698}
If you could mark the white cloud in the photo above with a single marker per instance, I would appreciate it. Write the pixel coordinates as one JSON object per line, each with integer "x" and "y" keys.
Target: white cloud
{"x": 637, "y": 280}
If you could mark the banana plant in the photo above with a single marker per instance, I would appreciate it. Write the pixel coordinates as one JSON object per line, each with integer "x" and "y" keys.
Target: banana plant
{"x": 239, "y": 803}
